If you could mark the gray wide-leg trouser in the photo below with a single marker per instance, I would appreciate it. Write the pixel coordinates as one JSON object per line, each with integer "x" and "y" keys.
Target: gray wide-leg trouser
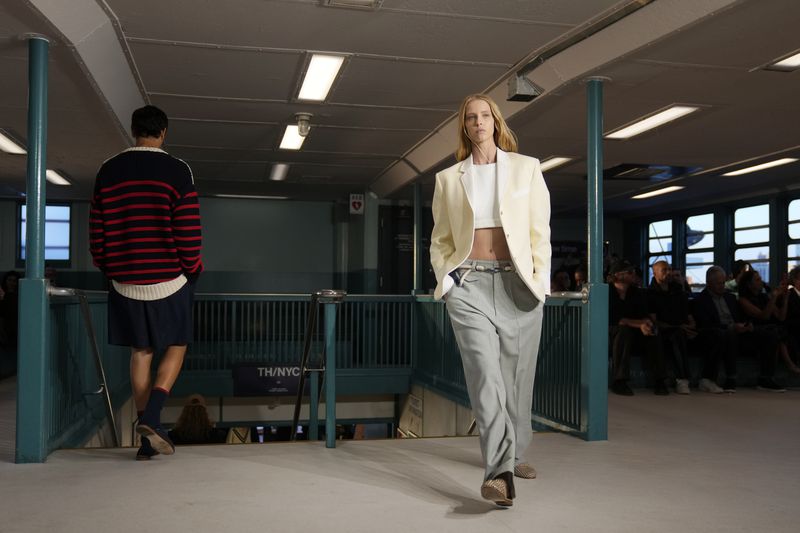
{"x": 497, "y": 324}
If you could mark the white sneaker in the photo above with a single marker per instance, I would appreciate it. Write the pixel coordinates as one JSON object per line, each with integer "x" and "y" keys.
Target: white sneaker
{"x": 706, "y": 385}
{"x": 682, "y": 386}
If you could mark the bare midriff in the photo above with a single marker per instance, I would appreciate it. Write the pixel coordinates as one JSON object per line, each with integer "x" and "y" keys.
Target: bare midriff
{"x": 490, "y": 245}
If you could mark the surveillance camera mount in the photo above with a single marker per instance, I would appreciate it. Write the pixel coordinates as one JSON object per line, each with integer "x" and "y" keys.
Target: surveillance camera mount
{"x": 303, "y": 123}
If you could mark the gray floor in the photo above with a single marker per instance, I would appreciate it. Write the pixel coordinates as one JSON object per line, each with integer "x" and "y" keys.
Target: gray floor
{"x": 676, "y": 464}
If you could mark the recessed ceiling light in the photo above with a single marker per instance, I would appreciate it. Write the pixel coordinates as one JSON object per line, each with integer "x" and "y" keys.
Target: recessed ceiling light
{"x": 787, "y": 64}
{"x": 9, "y": 145}
{"x": 321, "y": 72}
{"x": 653, "y": 121}
{"x": 251, "y": 197}
{"x": 762, "y": 166}
{"x": 659, "y": 192}
{"x": 292, "y": 140}
{"x": 553, "y": 162}
{"x": 55, "y": 178}
{"x": 279, "y": 171}
{"x": 363, "y": 4}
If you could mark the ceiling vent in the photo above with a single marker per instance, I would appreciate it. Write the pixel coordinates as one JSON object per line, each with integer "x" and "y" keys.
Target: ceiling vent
{"x": 649, "y": 173}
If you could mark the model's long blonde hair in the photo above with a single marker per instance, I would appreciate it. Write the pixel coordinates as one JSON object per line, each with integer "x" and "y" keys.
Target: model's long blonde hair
{"x": 504, "y": 138}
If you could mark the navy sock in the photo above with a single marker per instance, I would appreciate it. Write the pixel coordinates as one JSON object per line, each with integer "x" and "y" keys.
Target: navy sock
{"x": 152, "y": 413}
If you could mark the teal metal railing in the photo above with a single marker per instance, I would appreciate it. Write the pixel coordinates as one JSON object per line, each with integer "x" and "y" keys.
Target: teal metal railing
{"x": 75, "y": 408}
{"x": 560, "y": 391}
{"x": 372, "y": 332}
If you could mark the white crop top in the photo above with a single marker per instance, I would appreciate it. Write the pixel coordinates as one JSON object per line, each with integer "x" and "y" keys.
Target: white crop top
{"x": 486, "y": 204}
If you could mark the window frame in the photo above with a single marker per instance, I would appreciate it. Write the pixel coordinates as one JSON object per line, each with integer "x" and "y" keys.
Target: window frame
{"x": 56, "y": 263}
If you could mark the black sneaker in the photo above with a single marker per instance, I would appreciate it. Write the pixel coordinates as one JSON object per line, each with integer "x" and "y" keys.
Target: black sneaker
{"x": 729, "y": 386}
{"x": 146, "y": 451}
{"x": 768, "y": 384}
{"x": 661, "y": 389}
{"x": 621, "y": 388}
{"x": 158, "y": 438}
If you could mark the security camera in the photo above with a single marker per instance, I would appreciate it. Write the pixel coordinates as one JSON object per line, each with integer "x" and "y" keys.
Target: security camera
{"x": 521, "y": 89}
{"x": 303, "y": 123}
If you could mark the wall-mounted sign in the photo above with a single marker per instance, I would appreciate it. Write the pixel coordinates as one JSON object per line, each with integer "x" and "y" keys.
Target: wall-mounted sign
{"x": 356, "y": 204}
{"x": 258, "y": 379}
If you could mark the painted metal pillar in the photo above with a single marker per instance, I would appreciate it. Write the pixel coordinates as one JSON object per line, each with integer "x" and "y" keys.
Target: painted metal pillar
{"x": 417, "y": 237}
{"x": 33, "y": 303}
{"x": 595, "y": 351}
{"x": 313, "y": 407}
{"x": 330, "y": 375}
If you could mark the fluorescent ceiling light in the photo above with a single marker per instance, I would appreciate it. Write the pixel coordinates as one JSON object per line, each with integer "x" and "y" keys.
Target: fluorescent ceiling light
{"x": 658, "y": 192}
{"x": 762, "y": 166}
{"x": 554, "y": 162}
{"x": 322, "y": 70}
{"x": 252, "y": 196}
{"x": 279, "y": 171}
{"x": 292, "y": 140}
{"x": 354, "y": 3}
{"x": 9, "y": 145}
{"x": 788, "y": 64}
{"x": 55, "y": 178}
{"x": 653, "y": 121}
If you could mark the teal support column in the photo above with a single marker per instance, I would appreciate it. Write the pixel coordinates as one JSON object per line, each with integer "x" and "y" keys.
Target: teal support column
{"x": 330, "y": 375}
{"x": 313, "y": 407}
{"x": 595, "y": 327}
{"x": 417, "y": 237}
{"x": 33, "y": 304}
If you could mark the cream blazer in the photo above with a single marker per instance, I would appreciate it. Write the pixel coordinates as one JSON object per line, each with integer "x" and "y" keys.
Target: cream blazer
{"x": 524, "y": 214}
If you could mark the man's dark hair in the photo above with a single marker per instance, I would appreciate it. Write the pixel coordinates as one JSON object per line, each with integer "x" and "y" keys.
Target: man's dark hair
{"x": 148, "y": 121}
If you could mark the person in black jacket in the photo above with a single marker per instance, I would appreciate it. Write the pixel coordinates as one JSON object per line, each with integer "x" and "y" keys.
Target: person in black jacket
{"x": 792, "y": 320}
{"x": 722, "y": 328}
{"x": 630, "y": 326}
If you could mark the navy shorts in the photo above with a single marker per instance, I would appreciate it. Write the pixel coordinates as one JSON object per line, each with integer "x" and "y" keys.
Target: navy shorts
{"x": 152, "y": 324}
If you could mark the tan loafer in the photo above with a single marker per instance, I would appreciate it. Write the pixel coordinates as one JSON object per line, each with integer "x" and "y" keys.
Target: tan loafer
{"x": 525, "y": 471}
{"x": 496, "y": 490}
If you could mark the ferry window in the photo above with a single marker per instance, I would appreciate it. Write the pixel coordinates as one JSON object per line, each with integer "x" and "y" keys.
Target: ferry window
{"x": 793, "y": 250}
{"x": 699, "y": 254}
{"x": 751, "y": 237}
{"x": 659, "y": 244}
{"x": 57, "y": 220}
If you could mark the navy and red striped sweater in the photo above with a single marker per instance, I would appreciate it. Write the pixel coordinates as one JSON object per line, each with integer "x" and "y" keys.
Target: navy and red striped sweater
{"x": 145, "y": 218}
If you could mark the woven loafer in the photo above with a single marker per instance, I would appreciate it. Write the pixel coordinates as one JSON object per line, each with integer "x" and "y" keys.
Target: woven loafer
{"x": 496, "y": 490}
{"x": 146, "y": 451}
{"x": 525, "y": 471}
{"x": 158, "y": 438}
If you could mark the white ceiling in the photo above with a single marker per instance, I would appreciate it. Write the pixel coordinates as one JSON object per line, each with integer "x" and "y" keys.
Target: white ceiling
{"x": 227, "y": 74}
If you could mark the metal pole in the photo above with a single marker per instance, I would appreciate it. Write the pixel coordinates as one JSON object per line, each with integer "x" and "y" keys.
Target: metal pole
{"x": 330, "y": 375}
{"x": 417, "y": 237}
{"x": 33, "y": 305}
{"x": 595, "y": 349}
{"x": 313, "y": 407}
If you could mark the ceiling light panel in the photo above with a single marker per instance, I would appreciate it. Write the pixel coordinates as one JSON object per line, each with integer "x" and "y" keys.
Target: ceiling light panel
{"x": 320, "y": 75}
{"x": 55, "y": 178}
{"x": 653, "y": 121}
{"x": 787, "y": 64}
{"x": 762, "y": 166}
{"x": 658, "y": 192}
{"x": 9, "y": 145}
{"x": 292, "y": 140}
{"x": 553, "y": 162}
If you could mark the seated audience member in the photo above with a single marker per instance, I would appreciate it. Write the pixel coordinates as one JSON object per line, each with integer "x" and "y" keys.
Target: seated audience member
{"x": 560, "y": 281}
{"x": 580, "y": 278}
{"x": 669, "y": 309}
{"x": 677, "y": 277}
{"x": 767, "y": 311}
{"x": 630, "y": 327}
{"x": 792, "y": 321}
{"x": 739, "y": 268}
{"x": 9, "y": 322}
{"x": 194, "y": 425}
{"x": 721, "y": 328}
